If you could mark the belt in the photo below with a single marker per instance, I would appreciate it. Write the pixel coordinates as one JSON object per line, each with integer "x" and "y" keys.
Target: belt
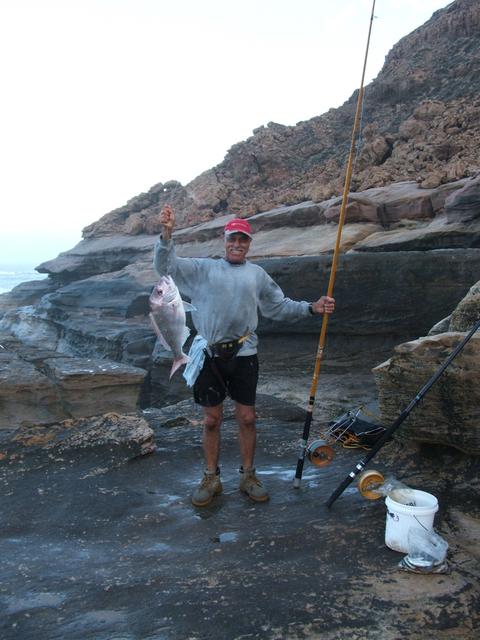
{"x": 229, "y": 349}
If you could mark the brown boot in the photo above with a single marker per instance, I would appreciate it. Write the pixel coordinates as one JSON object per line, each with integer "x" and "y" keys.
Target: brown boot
{"x": 209, "y": 487}
{"x": 251, "y": 485}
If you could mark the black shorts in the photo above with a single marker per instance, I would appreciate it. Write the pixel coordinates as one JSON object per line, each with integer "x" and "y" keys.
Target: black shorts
{"x": 240, "y": 376}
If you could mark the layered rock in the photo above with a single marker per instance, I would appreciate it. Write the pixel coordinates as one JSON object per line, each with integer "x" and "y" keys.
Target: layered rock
{"x": 410, "y": 250}
{"x": 38, "y": 386}
{"x": 449, "y": 414}
{"x": 401, "y": 216}
{"x": 407, "y": 259}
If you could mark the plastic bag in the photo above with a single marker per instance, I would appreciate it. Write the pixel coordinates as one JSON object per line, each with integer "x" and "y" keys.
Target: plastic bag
{"x": 427, "y": 552}
{"x": 397, "y": 491}
{"x": 426, "y": 547}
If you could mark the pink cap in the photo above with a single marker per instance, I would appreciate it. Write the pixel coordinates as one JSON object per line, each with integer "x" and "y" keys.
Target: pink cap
{"x": 238, "y": 225}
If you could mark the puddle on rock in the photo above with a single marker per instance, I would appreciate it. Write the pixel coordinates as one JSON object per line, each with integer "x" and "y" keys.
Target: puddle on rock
{"x": 228, "y": 536}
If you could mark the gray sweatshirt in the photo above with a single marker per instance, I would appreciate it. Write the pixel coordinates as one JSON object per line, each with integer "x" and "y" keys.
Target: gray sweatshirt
{"x": 227, "y": 296}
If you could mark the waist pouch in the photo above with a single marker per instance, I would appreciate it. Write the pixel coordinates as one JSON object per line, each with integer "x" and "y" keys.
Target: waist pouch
{"x": 227, "y": 350}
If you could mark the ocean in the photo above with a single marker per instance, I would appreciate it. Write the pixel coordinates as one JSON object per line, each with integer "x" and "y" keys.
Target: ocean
{"x": 13, "y": 274}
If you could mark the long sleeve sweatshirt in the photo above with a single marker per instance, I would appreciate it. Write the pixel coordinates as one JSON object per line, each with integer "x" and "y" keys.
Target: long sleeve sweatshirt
{"x": 227, "y": 297}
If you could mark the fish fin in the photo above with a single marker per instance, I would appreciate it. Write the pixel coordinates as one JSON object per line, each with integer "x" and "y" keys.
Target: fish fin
{"x": 188, "y": 307}
{"x": 160, "y": 337}
{"x": 178, "y": 362}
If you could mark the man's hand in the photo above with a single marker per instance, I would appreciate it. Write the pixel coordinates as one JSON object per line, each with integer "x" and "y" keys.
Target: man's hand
{"x": 325, "y": 304}
{"x": 167, "y": 220}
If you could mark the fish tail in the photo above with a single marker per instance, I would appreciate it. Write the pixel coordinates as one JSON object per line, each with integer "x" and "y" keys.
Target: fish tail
{"x": 178, "y": 362}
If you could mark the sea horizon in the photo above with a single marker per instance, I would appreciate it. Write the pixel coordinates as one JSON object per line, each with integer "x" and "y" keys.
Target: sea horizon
{"x": 13, "y": 274}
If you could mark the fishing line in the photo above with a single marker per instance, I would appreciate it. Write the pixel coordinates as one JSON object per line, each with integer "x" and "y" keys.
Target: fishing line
{"x": 341, "y": 221}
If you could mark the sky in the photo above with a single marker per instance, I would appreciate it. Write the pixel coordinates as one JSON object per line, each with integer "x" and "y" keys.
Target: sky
{"x": 102, "y": 99}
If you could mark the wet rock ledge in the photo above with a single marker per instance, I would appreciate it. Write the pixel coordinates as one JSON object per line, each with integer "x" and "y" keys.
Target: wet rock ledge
{"x": 39, "y": 386}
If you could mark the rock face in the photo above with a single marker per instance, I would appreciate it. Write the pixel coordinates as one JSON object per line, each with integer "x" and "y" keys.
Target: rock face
{"x": 449, "y": 414}
{"x": 38, "y": 386}
{"x": 405, "y": 263}
{"x": 410, "y": 248}
{"x": 422, "y": 122}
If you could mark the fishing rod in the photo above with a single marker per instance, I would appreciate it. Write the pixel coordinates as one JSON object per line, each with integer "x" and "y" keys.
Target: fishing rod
{"x": 388, "y": 433}
{"x": 341, "y": 221}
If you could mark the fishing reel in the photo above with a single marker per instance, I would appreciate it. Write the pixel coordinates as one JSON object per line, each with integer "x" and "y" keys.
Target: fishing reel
{"x": 369, "y": 483}
{"x": 320, "y": 453}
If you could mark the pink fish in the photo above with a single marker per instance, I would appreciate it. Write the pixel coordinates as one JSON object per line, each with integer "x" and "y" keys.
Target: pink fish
{"x": 168, "y": 319}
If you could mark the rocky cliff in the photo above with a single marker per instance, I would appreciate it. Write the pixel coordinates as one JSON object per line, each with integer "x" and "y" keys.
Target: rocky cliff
{"x": 421, "y": 122}
{"x": 79, "y": 344}
{"x": 410, "y": 246}
{"x": 409, "y": 255}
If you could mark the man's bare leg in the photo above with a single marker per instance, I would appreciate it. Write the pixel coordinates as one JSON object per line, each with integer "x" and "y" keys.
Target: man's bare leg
{"x": 212, "y": 420}
{"x": 247, "y": 433}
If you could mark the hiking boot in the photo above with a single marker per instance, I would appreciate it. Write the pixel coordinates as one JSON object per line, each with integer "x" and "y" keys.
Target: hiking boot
{"x": 209, "y": 487}
{"x": 251, "y": 485}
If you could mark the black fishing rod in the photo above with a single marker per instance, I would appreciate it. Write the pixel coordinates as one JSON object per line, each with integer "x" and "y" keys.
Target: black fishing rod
{"x": 388, "y": 433}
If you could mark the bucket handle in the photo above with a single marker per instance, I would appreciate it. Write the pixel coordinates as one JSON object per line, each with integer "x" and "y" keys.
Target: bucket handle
{"x": 421, "y": 523}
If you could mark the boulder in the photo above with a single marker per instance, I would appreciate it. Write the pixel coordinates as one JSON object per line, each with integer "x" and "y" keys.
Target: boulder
{"x": 27, "y": 396}
{"x": 464, "y": 205}
{"x": 38, "y": 386}
{"x": 90, "y": 386}
{"x": 467, "y": 311}
{"x": 449, "y": 414}
{"x": 357, "y": 210}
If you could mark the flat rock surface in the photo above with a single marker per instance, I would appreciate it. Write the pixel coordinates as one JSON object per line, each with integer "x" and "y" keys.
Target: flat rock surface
{"x": 119, "y": 552}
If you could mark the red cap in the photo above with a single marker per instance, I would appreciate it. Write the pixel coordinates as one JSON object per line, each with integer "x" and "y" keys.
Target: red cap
{"x": 238, "y": 225}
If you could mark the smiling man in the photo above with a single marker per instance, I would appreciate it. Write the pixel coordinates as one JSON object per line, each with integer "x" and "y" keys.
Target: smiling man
{"x": 227, "y": 295}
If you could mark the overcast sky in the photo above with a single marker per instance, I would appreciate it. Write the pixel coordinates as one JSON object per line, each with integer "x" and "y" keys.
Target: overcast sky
{"x": 101, "y": 99}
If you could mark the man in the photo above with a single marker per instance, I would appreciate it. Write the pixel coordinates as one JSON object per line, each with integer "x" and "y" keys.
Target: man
{"x": 227, "y": 294}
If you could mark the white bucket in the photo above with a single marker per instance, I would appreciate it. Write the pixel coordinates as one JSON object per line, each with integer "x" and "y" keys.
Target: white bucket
{"x": 402, "y": 517}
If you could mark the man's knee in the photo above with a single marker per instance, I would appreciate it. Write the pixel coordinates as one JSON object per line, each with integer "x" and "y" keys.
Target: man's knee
{"x": 212, "y": 418}
{"x": 246, "y": 417}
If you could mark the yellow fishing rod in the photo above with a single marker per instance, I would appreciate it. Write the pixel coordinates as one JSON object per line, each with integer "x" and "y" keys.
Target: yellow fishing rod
{"x": 341, "y": 221}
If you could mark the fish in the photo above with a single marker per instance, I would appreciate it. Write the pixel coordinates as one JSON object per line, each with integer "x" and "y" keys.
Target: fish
{"x": 167, "y": 315}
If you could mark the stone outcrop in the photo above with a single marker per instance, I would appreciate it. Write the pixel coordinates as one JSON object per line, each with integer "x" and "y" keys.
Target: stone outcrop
{"x": 449, "y": 414}
{"x": 39, "y": 387}
{"x": 405, "y": 264}
{"x": 401, "y": 216}
{"x": 410, "y": 245}
{"x": 421, "y": 122}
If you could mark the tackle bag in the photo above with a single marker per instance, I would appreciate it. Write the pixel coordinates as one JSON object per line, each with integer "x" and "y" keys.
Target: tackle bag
{"x": 354, "y": 430}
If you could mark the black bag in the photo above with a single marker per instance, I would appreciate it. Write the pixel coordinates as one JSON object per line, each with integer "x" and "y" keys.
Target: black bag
{"x": 354, "y": 430}
{"x": 227, "y": 350}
